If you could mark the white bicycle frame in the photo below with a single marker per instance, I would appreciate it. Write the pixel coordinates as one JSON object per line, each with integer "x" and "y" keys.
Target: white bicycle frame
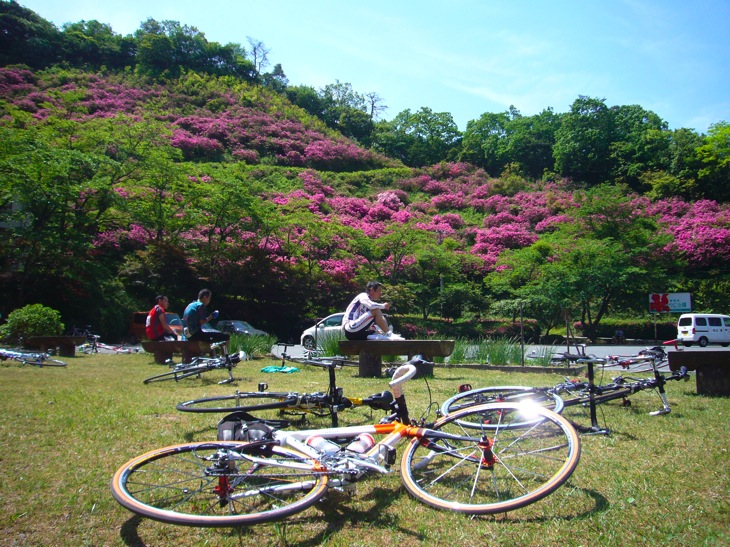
{"x": 348, "y": 463}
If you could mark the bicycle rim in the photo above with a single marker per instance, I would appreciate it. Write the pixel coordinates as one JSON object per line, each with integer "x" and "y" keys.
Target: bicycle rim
{"x": 247, "y": 402}
{"x": 195, "y": 484}
{"x": 604, "y": 397}
{"x": 176, "y": 375}
{"x": 52, "y": 363}
{"x": 500, "y": 394}
{"x": 499, "y": 469}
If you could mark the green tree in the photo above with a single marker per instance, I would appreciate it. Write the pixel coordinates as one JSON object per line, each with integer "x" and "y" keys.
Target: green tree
{"x": 714, "y": 177}
{"x": 26, "y": 38}
{"x": 640, "y": 144}
{"x": 605, "y": 258}
{"x": 583, "y": 142}
{"x": 484, "y": 142}
{"x": 418, "y": 139}
{"x": 93, "y": 44}
{"x": 529, "y": 142}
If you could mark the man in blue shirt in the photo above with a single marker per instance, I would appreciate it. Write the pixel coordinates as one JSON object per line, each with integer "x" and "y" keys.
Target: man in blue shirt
{"x": 195, "y": 317}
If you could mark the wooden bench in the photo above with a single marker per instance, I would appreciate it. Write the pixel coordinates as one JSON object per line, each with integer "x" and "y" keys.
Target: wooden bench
{"x": 372, "y": 351}
{"x": 163, "y": 351}
{"x": 712, "y": 369}
{"x": 66, "y": 344}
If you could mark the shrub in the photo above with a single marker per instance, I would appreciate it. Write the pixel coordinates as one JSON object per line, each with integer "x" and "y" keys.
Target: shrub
{"x": 32, "y": 320}
{"x": 329, "y": 343}
{"x": 255, "y": 345}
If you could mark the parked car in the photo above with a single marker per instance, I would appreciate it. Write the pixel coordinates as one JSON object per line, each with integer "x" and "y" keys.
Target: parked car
{"x": 332, "y": 324}
{"x": 137, "y": 331}
{"x": 236, "y": 326}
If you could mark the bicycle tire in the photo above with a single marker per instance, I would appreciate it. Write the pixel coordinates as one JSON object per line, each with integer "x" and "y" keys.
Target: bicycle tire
{"x": 46, "y": 363}
{"x": 177, "y": 375}
{"x": 527, "y": 463}
{"x": 501, "y": 394}
{"x": 194, "y": 484}
{"x": 607, "y": 395}
{"x": 217, "y": 404}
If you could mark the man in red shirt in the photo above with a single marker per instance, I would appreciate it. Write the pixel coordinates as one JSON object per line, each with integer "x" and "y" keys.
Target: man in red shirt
{"x": 156, "y": 327}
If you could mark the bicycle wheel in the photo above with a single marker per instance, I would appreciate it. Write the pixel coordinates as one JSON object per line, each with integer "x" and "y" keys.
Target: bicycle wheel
{"x": 46, "y": 363}
{"x": 245, "y": 401}
{"x": 607, "y": 394}
{"x": 212, "y": 485}
{"x": 178, "y": 374}
{"x": 500, "y": 394}
{"x": 494, "y": 470}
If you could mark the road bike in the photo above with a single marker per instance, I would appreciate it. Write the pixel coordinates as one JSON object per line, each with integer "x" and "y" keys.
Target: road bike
{"x": 444, "y": 465}
{"x": 199, "y": 365}
{"x": 569, "y": 392}
{"x": 39, "y": 359}
{"x": 652, "y": 356}
{"x": 91, "y": 342}
{"x": 569, "y": 358}
{"x": 292, "y": 403}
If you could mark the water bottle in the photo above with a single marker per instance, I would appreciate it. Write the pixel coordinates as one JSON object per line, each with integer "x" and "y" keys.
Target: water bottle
{"x": 362, "y": 443}
{"x": 322, "y": 445}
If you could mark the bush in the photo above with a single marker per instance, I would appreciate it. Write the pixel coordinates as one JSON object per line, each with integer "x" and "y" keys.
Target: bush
{"x": 32, "y": 320}
{"x": 329, "y": 343}
{"x": 643, "y": 329}
{"x": 255, "y": 345}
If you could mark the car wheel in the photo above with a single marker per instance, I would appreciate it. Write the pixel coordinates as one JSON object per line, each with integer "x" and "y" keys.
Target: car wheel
{"x": 308, "y": 342}
{"x": 703, "y": 342}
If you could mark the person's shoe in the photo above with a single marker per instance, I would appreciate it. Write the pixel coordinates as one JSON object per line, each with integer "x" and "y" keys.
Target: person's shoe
{"x": 377, "y": 336}
{"x": 393, "y": 336}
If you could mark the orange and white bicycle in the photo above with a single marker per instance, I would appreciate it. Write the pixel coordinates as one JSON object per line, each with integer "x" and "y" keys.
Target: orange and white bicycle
{"x": 512, "y": 463}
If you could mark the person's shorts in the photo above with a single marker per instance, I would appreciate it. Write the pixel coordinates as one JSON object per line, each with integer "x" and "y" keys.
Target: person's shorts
{"x": 364, "y": 328}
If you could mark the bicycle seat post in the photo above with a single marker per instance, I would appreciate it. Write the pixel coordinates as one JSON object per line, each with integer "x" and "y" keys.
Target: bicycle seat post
{"x": 594, "y": 427}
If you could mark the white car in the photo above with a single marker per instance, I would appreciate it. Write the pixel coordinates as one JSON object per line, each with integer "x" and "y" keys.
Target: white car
{"x": 330, "y": 325}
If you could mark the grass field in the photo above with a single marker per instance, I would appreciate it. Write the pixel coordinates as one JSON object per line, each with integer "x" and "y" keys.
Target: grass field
{"x": 64, "y": 431}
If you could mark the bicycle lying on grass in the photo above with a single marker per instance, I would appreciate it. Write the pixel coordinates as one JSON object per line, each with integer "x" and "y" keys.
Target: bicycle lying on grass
{"x": 444, "y": 465}
{"x": 319, "y": 404}
{"x": 91, "y": 341}
{"x": 568, "y": 393}
{"x": 655, "y": 356}
{"x": 199, "y": 365}
{"x": 38, "y": 359}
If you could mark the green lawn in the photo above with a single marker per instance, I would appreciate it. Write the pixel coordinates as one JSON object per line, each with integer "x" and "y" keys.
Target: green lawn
{"x": 63, "y": 432}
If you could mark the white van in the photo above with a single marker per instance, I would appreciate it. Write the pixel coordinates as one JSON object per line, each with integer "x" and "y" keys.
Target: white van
{"x": 703, "y": 328}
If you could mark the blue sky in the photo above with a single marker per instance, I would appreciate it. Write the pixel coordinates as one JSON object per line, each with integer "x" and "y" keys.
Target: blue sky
{"x": 468, "y": 57}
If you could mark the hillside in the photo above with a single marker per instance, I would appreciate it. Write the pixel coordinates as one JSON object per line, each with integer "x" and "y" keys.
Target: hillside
{"x": 123, "y": 188}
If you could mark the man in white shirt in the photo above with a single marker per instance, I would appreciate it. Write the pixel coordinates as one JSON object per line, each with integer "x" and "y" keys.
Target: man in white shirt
{"x": 364, "y": 313}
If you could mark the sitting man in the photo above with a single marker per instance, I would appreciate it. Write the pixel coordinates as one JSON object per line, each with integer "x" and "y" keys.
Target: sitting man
{"x": 195, "y": 317}
{"x": 365, "y": 313}
{"x": 156, "y": 326}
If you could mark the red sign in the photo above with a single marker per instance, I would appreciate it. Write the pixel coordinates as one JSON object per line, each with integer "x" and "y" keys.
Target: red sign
{"x": 658, "y": 303}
